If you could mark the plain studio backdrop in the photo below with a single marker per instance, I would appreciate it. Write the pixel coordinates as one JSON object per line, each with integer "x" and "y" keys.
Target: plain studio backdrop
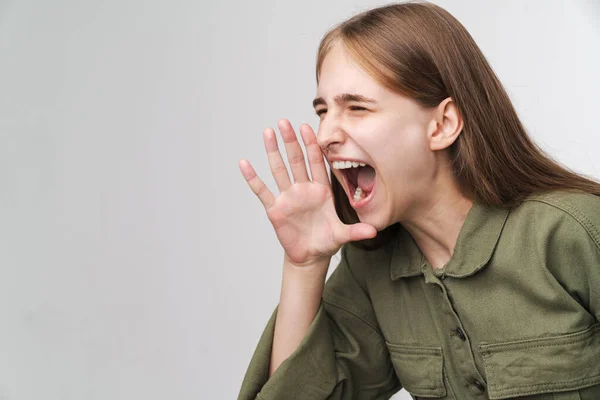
{"x": 135, "y": 262}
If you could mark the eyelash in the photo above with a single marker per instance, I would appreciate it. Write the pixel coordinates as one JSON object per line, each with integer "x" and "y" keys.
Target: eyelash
{"x": 353, "y": 108}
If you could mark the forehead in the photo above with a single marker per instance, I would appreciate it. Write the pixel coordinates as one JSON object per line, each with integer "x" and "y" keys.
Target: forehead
{"x": 340, "y": 73}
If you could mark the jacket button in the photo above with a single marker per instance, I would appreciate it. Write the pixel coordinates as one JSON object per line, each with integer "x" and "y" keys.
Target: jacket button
{"x": 461, "y": 334}
{"x": 479, "y": 385}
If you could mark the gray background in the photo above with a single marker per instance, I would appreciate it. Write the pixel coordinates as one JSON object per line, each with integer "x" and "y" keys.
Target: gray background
{"x": 135, "y": 263}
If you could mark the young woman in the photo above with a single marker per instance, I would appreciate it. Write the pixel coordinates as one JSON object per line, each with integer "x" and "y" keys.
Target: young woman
{"x": 470, "y": 261}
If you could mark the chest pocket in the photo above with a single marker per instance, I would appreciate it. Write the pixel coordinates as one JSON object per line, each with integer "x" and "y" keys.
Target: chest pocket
{"x": 419, "y": 369}
{"x": 555, "y": 364}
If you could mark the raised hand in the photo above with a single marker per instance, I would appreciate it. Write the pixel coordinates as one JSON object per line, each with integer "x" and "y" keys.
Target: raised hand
{"x": 303, "y": 215}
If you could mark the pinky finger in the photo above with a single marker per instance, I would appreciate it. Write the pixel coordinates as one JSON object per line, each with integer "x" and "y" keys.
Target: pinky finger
{"x": 256, "y": 184}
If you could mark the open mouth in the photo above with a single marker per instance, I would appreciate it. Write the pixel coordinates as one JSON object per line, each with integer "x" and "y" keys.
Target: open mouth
{"x": 359, "y": 183}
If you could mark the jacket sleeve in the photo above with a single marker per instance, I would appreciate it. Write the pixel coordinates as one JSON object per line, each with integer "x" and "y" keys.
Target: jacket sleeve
{"x": 342, "y": 356}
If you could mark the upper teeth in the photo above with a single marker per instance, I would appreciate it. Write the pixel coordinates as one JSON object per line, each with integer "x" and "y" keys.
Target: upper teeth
{"x": 347, "y": 164}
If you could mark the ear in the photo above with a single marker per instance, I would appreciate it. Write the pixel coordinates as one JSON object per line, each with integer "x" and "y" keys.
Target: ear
{"x": 445, "y": 125}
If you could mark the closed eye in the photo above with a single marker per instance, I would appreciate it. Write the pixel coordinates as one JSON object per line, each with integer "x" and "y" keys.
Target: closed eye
{"x": 357, "y": 108}
{"x": 353, "y": 108}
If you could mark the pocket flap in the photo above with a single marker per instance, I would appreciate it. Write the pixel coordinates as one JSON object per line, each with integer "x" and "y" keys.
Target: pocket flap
{"x": 420, "y": 369}
{"x": 545, "y": 365}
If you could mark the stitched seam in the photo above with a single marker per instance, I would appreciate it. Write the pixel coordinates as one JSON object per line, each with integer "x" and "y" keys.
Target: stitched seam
{"x": 591, "y": 379}
{"x": 486, "y": 354}
{"x": 492, "y": 372}
{"x": 353, "y": 313}
{"x": 439, "y": 356}
{"x": 562, "y": 340}
{"x": 426, "y": 351}
{"x": 577, "y": 215}
{"x": 487, "y": 349}
{"x": 523, "y": 347}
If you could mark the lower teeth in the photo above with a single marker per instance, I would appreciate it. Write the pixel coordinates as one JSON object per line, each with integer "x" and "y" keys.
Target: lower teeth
{"x": 358, "y": 194}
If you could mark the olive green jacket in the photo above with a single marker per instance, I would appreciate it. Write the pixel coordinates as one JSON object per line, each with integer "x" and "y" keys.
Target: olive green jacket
{"x": 513, "y": 313}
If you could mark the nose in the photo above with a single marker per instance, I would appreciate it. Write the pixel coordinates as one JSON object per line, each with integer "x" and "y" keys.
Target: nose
{"x": 329, "y": 133}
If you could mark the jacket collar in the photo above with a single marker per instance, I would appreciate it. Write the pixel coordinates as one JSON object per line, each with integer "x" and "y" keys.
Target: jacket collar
{"x": 476, "y": 242}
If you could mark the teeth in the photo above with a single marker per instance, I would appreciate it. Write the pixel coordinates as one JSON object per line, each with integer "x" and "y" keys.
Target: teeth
{"x": 347, "y": 164}
{"x": 358, "y": 194}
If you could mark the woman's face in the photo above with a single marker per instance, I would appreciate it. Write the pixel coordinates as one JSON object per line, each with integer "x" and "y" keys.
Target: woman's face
{"x": 391, "y": 134}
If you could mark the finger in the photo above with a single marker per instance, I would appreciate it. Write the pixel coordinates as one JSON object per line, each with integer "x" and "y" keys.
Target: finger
{"x": 294, "y": 151}
{"x": 314, "y": 154}
{"x": 278, "y": 168}
{"x": 355, "y": 232}
{"x": 256, "y": 184}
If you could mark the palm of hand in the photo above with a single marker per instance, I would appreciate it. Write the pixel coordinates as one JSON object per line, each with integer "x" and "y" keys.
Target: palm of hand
{"x": 303, "y": 215}
{"x": 304, "y": 219}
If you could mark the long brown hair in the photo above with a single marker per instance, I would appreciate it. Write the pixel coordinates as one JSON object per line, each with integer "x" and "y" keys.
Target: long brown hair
{"x": 419, "y": 50}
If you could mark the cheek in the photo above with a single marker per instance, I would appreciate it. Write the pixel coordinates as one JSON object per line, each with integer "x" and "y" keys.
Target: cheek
{"x": 398, "y": 148}
{"x": 408, "y": 147}
{"x": 407, "y": 162}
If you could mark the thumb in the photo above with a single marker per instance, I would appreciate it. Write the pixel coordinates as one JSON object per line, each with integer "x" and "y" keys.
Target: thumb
{"x": 361, "y": 231}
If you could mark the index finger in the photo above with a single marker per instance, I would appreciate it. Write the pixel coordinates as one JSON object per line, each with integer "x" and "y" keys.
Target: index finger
{"x": 314, "y": 154}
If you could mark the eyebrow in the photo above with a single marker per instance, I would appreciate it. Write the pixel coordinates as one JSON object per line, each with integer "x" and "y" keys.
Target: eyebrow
{"x": 344, "y": 98}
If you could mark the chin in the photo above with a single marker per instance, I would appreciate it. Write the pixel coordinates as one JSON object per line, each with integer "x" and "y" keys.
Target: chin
{"x": 374, "y": 220}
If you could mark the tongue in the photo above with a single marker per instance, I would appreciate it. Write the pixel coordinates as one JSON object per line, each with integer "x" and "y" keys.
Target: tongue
{"x": 366, "y": 178}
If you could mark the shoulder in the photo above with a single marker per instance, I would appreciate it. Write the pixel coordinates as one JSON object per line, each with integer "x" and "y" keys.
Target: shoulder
{"x": 569, "y": 201}
{"x": 347, "y": 288}
{"x": 568, "y": 241}
{"x": 576, "y": 211}
{"x": 365, "y": 264}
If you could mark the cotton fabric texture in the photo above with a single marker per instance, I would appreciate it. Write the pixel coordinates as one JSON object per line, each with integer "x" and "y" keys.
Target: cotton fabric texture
{"x": 512, "y": 315}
